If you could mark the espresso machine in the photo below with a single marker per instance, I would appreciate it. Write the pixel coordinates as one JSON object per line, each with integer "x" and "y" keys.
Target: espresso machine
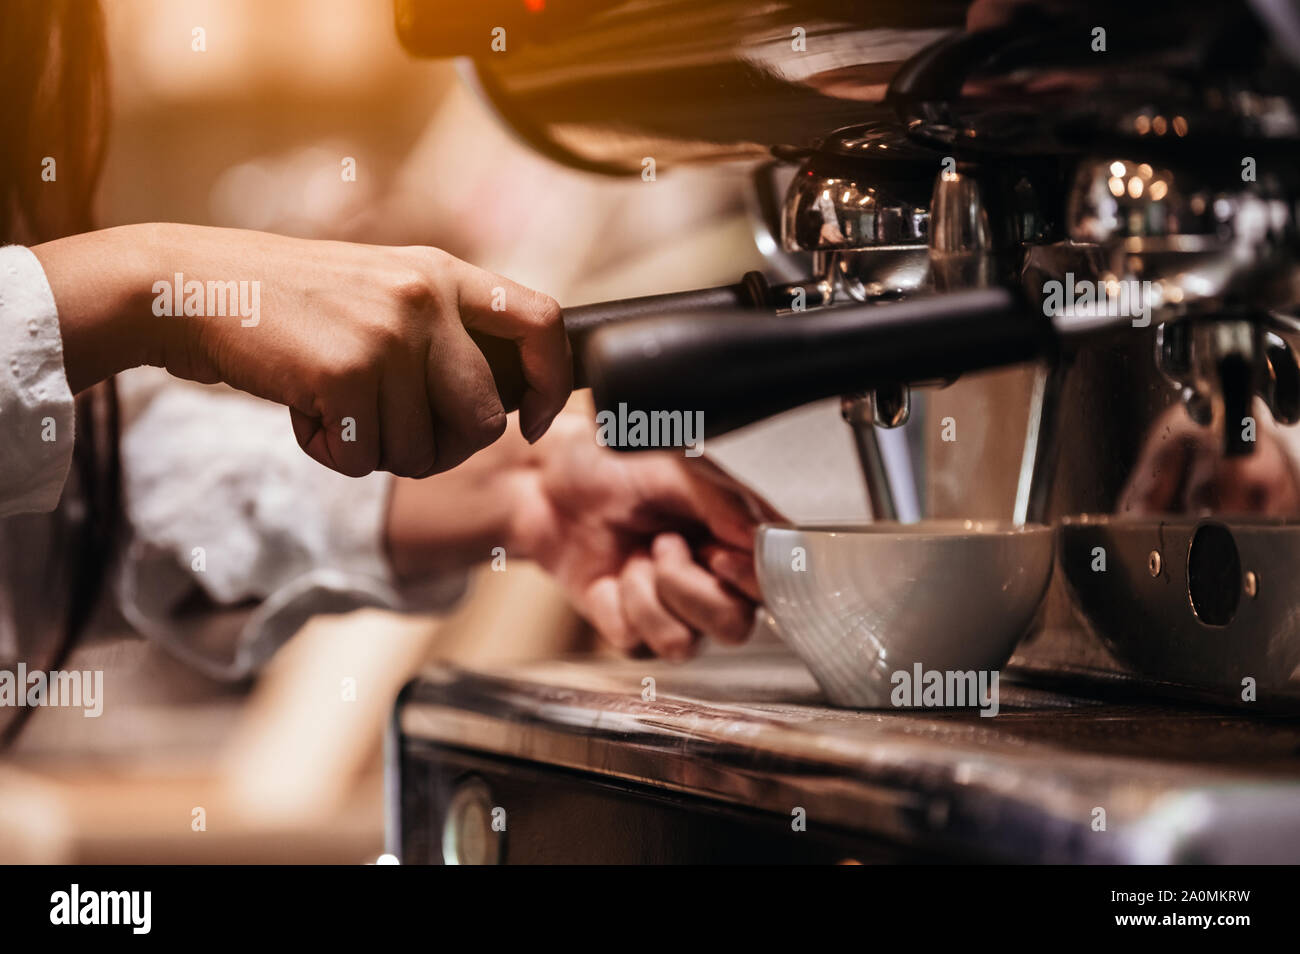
{"x": 1101, "y": 199}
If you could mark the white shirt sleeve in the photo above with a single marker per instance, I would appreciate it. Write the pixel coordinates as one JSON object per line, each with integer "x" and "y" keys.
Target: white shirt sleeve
{"x": 36, "y": 407}
{"x": 237, "y": 536}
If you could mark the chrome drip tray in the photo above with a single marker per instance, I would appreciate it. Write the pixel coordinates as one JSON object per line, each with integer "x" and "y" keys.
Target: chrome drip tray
{"x": 1211, "y": 602}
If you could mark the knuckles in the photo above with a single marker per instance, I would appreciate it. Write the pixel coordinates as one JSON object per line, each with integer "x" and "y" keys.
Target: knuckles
{"x": 546, "y": 313}
{"x": 415, "y": 463}
{"x": 422, "y": 284}
{"x": 348, "y": 375}
{"x": 353, "y": 468}
{"x": 487, "y": 428}
{"x": 413, "y": 290}
{"x": 347, "y": 367}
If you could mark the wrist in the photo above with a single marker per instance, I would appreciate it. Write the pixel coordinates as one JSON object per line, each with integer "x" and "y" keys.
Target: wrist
{"x": 533, "y": 528}
{"x": 525, "y": 529}
{"x": 152, "y": 275}
{"x": 102, "y": 285}
{"x": 458, "y": 518}
{"x": 522, "y": 486}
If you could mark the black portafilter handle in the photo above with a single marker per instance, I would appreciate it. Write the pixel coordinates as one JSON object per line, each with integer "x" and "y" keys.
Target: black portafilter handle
{"x": 751, "y": 292}
{"x": 737, "y": 369}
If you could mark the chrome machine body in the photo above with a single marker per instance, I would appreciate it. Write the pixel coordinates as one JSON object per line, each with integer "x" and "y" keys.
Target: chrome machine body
{"x": 1107, "y": 192}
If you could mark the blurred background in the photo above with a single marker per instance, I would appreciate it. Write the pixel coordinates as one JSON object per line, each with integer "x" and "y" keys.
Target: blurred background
{"x": 252, "y": 132}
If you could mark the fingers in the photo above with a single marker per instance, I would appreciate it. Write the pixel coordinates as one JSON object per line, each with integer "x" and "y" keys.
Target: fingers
{"x": 697, "y": 597}
{"x": 724, "y": 512}
{"x": 346, "y": 442}
{"x": 533, "y": 321}
{"x": 603, "y": 608}
{"x": 646, "y": 616}
{"x": 464, "y": 403}
{"x": 407, "y": 436}
{"x": 666, "y": 601}
{"x": 735, "y": 567}
{"x": 758, "y": 506}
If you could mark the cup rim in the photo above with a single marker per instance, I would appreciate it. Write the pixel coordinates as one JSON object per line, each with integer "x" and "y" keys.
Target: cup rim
{"x": 946, "y": 528}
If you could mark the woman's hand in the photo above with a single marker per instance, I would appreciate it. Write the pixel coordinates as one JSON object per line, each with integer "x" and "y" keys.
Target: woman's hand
{"x": 654, "y": 549}
{"x": 368, "y": 346}
{"x": 1181, "y": 469}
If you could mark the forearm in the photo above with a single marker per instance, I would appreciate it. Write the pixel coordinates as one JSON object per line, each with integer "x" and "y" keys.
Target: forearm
{"x": 102, "y": 284}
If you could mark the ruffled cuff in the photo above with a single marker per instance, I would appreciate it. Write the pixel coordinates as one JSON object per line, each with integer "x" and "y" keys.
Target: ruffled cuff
{"x": 36, "y": 406}
{"x": 237, "y": 537}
